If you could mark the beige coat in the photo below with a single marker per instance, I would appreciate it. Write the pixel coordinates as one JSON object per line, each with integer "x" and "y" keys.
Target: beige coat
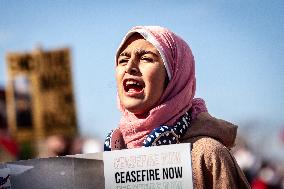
{"x": 212, "y": 163}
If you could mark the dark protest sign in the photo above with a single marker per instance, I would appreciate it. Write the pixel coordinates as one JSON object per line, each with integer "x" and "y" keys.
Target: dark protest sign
{"x": 40, "y": 99}
{"x": 53, "y": 173}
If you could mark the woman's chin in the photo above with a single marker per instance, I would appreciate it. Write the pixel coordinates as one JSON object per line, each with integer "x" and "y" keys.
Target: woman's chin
{"x": 137, "y": 109}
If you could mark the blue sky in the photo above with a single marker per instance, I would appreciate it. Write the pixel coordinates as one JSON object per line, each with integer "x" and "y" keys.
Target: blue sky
{"x": 238, "y": 48}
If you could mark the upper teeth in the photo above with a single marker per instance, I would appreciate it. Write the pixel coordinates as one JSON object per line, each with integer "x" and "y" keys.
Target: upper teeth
{"x": 131, "y": 82}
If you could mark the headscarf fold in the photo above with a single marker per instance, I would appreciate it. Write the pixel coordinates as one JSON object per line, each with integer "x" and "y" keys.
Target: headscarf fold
{"x": 177, "y": 98}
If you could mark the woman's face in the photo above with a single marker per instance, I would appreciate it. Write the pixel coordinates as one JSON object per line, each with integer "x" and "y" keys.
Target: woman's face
{"x": 140, "y": 75}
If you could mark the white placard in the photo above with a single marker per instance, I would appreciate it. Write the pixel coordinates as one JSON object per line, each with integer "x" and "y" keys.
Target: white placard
{"x": 163, "y": 167}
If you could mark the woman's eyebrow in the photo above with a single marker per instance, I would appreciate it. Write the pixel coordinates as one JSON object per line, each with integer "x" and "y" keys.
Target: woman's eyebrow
{"x": 140, "y": 52}
{"x": 125, "y": 54}
{"x": 143, "y": 51}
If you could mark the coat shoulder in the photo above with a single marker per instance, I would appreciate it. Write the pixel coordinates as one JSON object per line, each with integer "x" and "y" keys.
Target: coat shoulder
{"x": 210, "y": 152}
{"x": 213, "y": 165}
{"x": 208, "y": 147}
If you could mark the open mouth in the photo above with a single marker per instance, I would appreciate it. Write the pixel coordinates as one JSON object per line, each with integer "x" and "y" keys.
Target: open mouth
{"x": 133, "y": 86}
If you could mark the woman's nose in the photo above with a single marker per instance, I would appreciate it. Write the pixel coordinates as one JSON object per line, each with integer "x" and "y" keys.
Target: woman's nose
{"x": 132, "y": 67}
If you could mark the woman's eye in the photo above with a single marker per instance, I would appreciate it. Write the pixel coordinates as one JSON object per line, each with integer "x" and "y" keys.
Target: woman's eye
{"x": 122, "y": 61}
{"x": 147, "y": 59}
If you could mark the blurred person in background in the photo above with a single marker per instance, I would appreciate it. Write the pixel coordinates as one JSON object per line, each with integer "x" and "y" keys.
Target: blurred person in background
{"x": 246, "y": 159}
{"x": 85, "y": 145}
{"x": 92, "y": 145}
{"x": 155, "y": 74}
{"x": 267, "y": 178}
{"x": 54, "y": 145}
{"x": 76, "y": 145}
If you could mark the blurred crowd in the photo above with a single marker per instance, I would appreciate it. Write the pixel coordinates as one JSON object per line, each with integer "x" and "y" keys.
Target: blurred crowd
{"x": 260, "y": 172}
{"x": 58, "y": 145}
{"x": 52, "y": 146}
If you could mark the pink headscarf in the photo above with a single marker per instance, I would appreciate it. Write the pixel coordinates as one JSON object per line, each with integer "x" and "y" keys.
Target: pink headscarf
{"x": 178, "y": 95}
